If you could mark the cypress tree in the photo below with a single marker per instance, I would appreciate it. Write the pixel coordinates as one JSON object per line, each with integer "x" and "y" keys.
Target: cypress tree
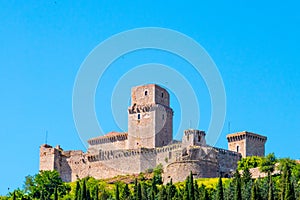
{"x": 55, "y": 193}
{"x": 186, "y": 193}
{"x": 126, "y": 192}
{"x": 14, "y": 195}
{"x": 163, "y": 193}
{"x": 203, "y": 194}
{"x": 289, "y": 190}
{"x": 152, "y": 196}
{"x": 139, "y": 191}
{"x": 283, "y": 180}
{"x": 88, "y": 194}
{"x": 197, "y": 196}
{"x": 270, "y": 192}
{"x": 144, "y": 191}
{"x": 77, "y": 191}
{"x": 153, "y": 187}
{"x": 254, "y": 192}
{"x": 135, "y": 190}
{"x": 83, "y": 191}
{"x": 171, "y": 190}
{"x": 229, "y": 191}
{"x": 246, "y": 184}
{"x": 206, "y": 196}
{"x": 220, "y": 194}
{"x": 191, "y": 187}
{"x": 96, "y": 193}
{"x": 117, "y": 192}
{"x": 237, "y": 191}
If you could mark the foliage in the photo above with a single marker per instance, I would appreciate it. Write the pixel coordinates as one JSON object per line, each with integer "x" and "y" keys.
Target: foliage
{"x": 158, "y": 170}
{"x": 270, "y": 192}
{"x": 44, "y": 184}
{"x": 249, "y": 162}
{"x": 238, "y": 188}
{"x": 246, "y": 184}
{"x": 219, "y": 193}
{"x": 254, "y": 192}
{"x": 268, "y": 163}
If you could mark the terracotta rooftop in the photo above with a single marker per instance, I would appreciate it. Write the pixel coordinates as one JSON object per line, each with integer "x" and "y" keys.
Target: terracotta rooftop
{"x": 110, "y": 135}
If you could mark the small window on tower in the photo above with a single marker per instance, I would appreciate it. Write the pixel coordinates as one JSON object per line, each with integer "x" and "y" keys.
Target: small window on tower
{"x": 237, "y": 148}
{"x": 146, "y": 93}
{"x": 139, "y": 116}
{"x": 163, "y": 117}
{"x": 162, "y": 95}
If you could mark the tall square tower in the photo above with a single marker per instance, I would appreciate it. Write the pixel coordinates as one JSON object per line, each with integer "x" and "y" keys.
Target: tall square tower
{"x": 247, "y": 143}
{"x": 150, "y": 118}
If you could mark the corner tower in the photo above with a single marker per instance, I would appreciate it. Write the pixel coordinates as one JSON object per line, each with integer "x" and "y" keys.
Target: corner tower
{"x": 247, "y": 143}
{"x": 150, "y": 118}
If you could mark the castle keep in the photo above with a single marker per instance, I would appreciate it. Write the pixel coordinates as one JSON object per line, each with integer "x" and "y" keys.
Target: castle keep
{"x": 148, "y": 143}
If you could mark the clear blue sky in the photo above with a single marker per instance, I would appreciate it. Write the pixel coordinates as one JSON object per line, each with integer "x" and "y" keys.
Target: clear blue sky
{"x": 255, "y": 45}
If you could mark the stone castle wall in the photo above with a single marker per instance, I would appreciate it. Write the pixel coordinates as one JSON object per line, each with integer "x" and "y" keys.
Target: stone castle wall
{"x": 227, "y": 161}
{"x": 76, "y": 164}
{"x": 204, "y": 162}
{"x": 209, "y": 162}
{"x": 178, "y": 171}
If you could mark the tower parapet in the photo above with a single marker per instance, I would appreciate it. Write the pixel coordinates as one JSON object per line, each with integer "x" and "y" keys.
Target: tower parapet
{"x": 193, "y": 137}
{"x": 247, "y": 143}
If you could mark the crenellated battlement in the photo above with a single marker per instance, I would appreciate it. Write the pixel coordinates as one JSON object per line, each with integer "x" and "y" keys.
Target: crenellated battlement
{"x": 225, "y": 151}
{"x": 245, "y": 135}
{"x": 118, "y": 154}
{"x": 108, "y": 138}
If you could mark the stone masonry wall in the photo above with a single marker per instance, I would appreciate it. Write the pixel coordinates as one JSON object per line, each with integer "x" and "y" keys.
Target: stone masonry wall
{"x": 227, "y": 161}
{"x": 239, "y": 144}
{"x": 72, "y": 165}
{"x": 141, "y": 131}
{"x": 163, "y": 125}
{"x": 118, "y": 144}
{"x": 46, "y": 157}
{"x": 255, "y": 147}
{"x": 178, "y": 171}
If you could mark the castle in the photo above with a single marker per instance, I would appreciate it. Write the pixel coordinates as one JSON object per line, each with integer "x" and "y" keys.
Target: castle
{"x": 149, "y": 142}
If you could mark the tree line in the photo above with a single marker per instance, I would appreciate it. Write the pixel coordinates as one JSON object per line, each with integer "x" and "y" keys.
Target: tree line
{"x": 285, "y": 185}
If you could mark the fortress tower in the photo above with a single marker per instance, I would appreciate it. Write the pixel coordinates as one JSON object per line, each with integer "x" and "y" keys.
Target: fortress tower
{"x": 192, "y": 137}
{"x": 247, "y": 143}
{"x": 150, "y": 118}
